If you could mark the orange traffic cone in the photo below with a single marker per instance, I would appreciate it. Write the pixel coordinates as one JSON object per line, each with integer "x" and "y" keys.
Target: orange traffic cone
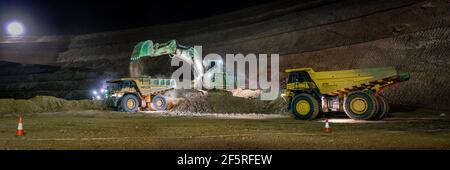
{"x": 327, "y": 126}
{"x": 20, "y": 131}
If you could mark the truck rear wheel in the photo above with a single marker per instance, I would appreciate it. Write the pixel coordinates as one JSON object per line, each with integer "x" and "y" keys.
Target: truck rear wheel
{"x": 159, "y": 103}
{"x": 360, "y": 105}
{"x": 383, "y": 107}
{"x": 129, "y": 103}
{"x": 305, "y": 107}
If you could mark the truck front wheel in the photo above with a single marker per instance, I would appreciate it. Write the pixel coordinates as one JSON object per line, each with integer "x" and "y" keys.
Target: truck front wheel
{"x": 305, "y": 107}
{"x": 360, "y": 105}
{"x": 129, "y": 103}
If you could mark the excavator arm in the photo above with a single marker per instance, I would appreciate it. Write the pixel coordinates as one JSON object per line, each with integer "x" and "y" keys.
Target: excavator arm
{"x": 173, "y": 49}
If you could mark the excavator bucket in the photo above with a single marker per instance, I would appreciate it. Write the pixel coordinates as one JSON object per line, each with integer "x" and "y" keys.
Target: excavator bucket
{"x": 142, "y": 49}
{"x": 149, "y": 49}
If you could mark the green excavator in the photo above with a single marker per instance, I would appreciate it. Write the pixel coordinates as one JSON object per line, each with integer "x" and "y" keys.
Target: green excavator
{"x": 131, "y": 94}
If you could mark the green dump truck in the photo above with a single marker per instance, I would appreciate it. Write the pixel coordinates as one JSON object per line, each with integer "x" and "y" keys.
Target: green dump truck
{"x": 355, "y": 92}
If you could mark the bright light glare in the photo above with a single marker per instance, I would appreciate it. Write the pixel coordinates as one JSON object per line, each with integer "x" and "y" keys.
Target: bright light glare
{"x": 15, "y": 28}
{"x": 94, "y": 92}
{"x": 347, "y": 120}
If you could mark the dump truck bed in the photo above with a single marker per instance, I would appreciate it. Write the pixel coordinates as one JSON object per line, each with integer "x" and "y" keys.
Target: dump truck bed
{"x": 147, "y": 85}
{"x": 343, "y": 81}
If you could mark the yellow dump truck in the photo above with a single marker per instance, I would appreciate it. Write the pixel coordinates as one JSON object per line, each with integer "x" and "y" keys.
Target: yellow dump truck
{"x": 132, "y": 94}
{"x": 355, "y": 92}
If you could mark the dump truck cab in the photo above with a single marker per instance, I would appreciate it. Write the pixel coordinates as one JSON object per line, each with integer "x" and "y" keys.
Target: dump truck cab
{"x": 300, "y": 84}
{"x": 299, "y": 80}
{"x": 134, "y": 93}
{"x": 355, "y": 92}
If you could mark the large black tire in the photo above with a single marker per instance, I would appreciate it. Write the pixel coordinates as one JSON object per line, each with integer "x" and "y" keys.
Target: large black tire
{"x": 129, "y": 103}
{"x": 305, "y": 107}
{"x": 360, "y": 105}
{"x": 383, "y": 108}
{"x": 159, "y": 103}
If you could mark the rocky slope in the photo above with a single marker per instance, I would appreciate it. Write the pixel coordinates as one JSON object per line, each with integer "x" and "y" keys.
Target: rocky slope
{"x": 412, "y": 35}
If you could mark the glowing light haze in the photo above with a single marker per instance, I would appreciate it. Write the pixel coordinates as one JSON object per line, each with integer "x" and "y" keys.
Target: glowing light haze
{"x": 15, "y": 28}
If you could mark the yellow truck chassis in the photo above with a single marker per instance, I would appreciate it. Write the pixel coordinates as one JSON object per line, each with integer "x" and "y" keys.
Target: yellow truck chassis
{"x": 355, "y": 92}
{"x": 139, "y": 93}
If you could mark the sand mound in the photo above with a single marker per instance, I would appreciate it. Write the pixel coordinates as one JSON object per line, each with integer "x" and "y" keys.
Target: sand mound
{"x": 40, "y": 104}
{"x": 185, "y": 101}
{"x": 225, "y": 102}
{"x": 246, "y": 93}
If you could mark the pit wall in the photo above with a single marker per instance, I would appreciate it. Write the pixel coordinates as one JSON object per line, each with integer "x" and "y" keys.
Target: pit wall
{"x": 412, "y": 35}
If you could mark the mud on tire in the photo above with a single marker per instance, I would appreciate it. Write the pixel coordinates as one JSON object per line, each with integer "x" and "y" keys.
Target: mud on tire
{"x": 305, "y": 107}
{"x": 383, "y": 108}
{"x": 159, "y": 103}
{"x": 129, "y": 103}
{"x": 360, "y": 105}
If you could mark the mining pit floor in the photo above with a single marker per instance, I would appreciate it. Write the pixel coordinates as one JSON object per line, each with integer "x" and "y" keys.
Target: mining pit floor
{"x": 91, "y": 129}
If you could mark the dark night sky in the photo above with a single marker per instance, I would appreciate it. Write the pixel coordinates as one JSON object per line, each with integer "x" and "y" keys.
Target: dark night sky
{"x": 85, "y": 16}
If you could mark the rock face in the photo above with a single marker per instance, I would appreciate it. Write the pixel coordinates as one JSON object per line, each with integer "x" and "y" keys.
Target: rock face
{"x": 412, "y": 35}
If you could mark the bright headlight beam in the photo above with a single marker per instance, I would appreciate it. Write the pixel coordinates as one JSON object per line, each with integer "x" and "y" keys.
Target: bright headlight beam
{"x": 15, "y": 28}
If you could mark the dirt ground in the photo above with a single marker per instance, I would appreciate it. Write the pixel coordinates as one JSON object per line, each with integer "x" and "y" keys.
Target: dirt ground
{"x": 418, "y": 129}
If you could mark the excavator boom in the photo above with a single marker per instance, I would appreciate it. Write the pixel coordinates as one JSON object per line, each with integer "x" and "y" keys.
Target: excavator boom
{"x": 150, "y": 49}
{"x": 171, "y": 48}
